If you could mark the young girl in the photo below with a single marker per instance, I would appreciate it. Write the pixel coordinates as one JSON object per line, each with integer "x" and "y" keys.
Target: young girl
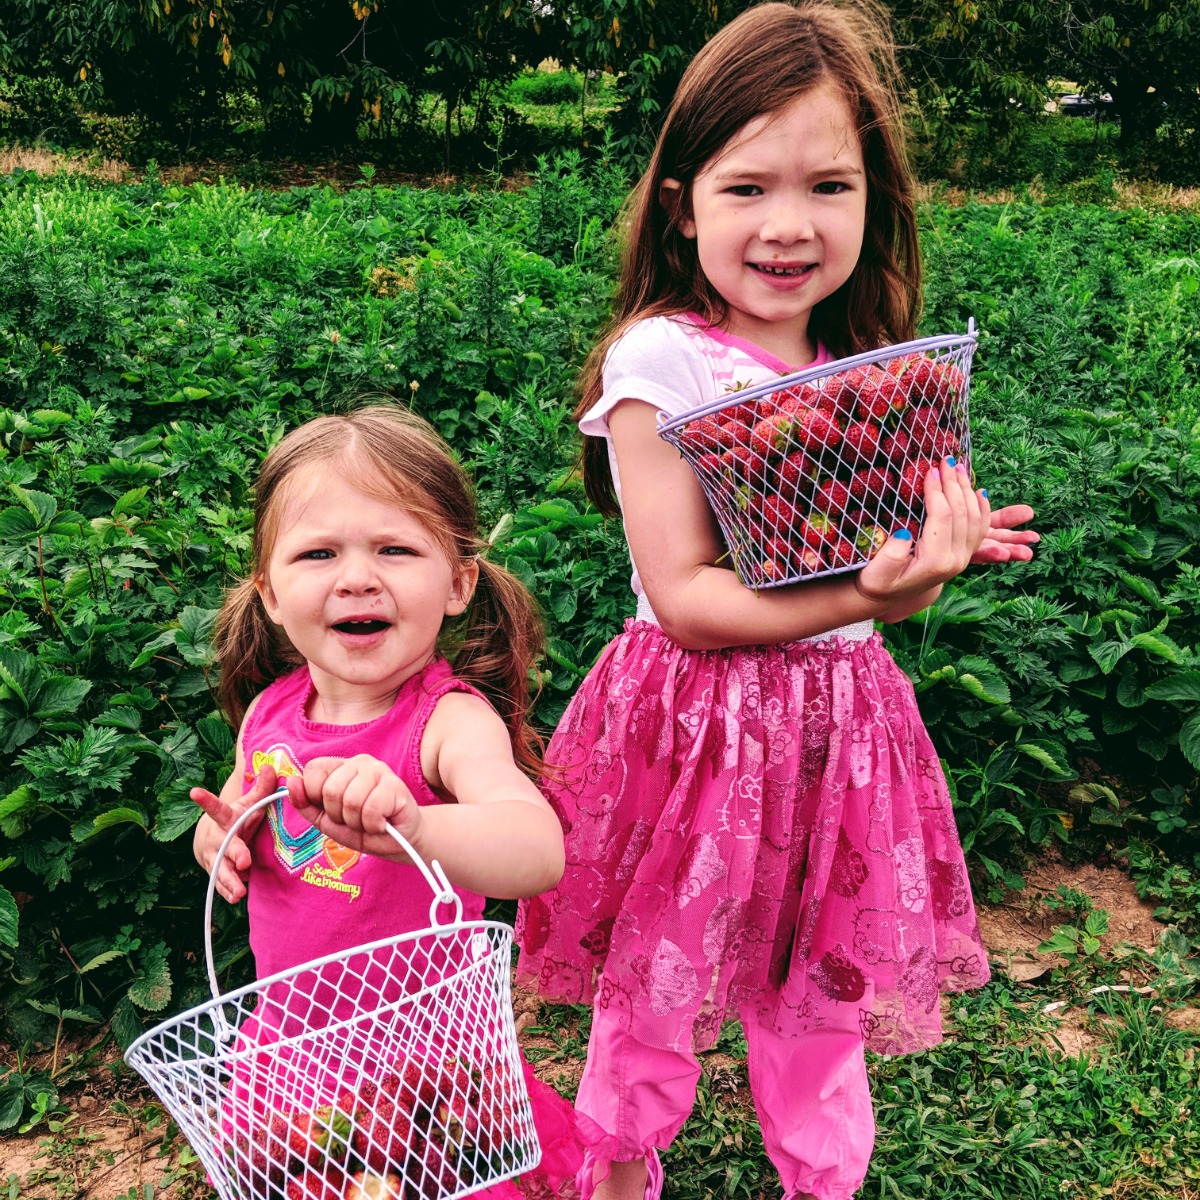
{"x": 365, "y": 545}
{"x": 757, "y": 822}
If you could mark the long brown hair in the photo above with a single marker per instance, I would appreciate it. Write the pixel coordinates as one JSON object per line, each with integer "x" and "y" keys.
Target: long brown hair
{"x": 399, "y": 458}
{"x": 757, "y": 65}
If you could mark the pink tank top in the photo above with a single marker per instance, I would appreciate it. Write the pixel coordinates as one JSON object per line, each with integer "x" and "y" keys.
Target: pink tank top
{"x": 310, "y": 896}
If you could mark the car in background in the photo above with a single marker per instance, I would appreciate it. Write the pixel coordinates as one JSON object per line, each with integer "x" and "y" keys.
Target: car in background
{"x": 1075, "y": 105}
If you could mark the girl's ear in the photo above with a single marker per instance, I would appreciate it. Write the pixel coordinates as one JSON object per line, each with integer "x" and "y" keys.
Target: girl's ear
{"x": 463, "y": 588}
{"x": 262, "y": 585}
{"x": 672, "y": 196}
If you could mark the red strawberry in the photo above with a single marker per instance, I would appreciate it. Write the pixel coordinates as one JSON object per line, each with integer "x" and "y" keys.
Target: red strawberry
{"x": 776, "y": 512}
{"x": 895, "y": 445}
{"x": 843, "y": 389}
{"x": 920, "y": 376}
{"x": 870, "y": 540}
{"x": 706, "y": 432}
{"x": 832, "y": 496}
{"x": 316, "y": 1184}
{"x": 872, "y": 485}
{"x": 874, "y": 393}
{"x": 814, "y": 431}
{"x": 743, "y": 462}
{"x": 383, "y": 1130}
{"x": 770, "y": 435}
{"x": 842, "y": 552}
{"x": 811, "y": 561}
{"x": 258, "y": 1159}
{"x": 950, "y": 381}
{"x": 815, "y": 531}
{"x": 313, "y": 1137}
{"x": 795, "y": 472}
{"x": 806, "y": 396}
{"x": 922, "y": 424}
{"x": 863, "y": 438}
{"x": 776, "y": 558}
{"x": 911, "y": 488}
{"x": 365, "y": 1186}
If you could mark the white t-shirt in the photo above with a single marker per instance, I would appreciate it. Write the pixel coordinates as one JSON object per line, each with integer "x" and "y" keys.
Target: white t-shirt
{"x": 676, "y": 363}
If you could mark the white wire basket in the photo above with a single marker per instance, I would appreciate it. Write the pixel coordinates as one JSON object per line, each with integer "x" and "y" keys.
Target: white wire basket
{"x": 389, "y": 1071}
{"x": 809, "y": 474}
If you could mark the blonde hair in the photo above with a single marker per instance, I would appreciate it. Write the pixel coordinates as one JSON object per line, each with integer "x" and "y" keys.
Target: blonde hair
{"x": 757, "y": 65}
{"x": 401, "y": 459}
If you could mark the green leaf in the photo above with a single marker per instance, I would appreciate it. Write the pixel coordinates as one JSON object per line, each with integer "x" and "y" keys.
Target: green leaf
{"x": 17, "y": 523}
{"x": 129, "y": 500}
{"x": 989, "y": 687}
{"x": 60, "y": 695}
{"x": 175, "y": 818}
{"x": 19, "y": 672}
{"x": 40, "y": 506}
{"x": 1182, "y": 685}
{"x": 1189, "y": 739}
{"x": 194, "y": 639}
{"x": 101, "y": 960}
{"x": 119, "y": 816}
{"x": 153, "y": 990}
{"x": 1159, "y": 645}
{"x": 9, "y": 920}
{"x": 166, "y": 638}
{"x": 1048, "y": 754}
{"x": 1108, "y": 654}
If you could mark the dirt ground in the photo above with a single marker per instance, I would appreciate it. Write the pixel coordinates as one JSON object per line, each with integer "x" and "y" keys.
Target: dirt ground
{"x": 108, "y": 1152}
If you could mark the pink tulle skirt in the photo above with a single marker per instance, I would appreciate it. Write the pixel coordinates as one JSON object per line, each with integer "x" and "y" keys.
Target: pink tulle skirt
{"x": 764, "y": 826}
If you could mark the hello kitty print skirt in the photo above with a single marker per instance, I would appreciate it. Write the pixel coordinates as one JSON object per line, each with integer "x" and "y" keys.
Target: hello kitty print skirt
{"x": 766, "y": 826}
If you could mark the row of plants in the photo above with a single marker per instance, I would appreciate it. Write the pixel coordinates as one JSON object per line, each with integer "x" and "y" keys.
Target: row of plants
{"x": 156, "y": 340}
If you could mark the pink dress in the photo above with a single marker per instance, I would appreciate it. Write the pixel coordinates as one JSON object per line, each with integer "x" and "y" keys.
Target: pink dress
{"x": 762, "y": 826}
{"x": 310, "y": 896}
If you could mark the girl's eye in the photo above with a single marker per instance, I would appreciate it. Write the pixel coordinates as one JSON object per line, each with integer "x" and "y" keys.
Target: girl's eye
{"x": 396, "y": 550}
{"x": 831, "y": 187}
{"x": 746, "y": 189}
{"x": 317, "y": 554}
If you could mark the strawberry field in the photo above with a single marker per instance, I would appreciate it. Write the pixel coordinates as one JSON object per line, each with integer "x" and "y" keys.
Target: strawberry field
{"x": 156, "y": 339}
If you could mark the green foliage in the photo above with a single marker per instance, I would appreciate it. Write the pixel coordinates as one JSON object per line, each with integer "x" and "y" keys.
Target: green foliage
{"x": 156, "y": 341}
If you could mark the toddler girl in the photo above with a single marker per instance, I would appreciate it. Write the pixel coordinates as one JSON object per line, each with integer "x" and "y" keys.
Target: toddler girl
{"x": 365, "y": 547}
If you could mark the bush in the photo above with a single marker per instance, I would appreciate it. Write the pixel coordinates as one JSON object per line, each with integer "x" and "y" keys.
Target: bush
{"x": 154, "y": 341}
{"x": 545, "y": 87}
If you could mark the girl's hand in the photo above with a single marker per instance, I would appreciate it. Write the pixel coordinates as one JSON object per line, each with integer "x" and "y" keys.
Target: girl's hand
{"x": 219, "y": 814}
{"x": 957, "y": 519}
{"x": 351, "y": 800}
{"x": 1004, "y": 543}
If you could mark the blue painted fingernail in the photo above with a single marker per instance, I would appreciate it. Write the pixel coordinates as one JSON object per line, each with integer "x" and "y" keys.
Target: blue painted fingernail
{"x": 983, "y": 492}
{"x": 902, "y": 534}
{"x": 952, "y": 461}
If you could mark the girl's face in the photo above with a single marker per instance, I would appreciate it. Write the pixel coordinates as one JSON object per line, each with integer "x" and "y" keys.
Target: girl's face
{"x": 778, "y": 217}
{"x": 361, "y": 588}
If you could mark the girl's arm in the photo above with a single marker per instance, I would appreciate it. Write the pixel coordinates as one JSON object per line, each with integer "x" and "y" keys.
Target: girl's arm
{"x": 498, "y": 837}
{"x": 676, "y": 544}
{"x": 220, "y": 812}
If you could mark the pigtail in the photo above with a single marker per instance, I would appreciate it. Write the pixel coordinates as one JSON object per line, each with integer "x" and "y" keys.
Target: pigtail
{"x": 499, "y": 638}
{"x": 249, "y": 649}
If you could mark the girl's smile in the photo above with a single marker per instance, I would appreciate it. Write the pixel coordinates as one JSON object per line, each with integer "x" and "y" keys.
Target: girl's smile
{"x": 361, "y": 588}
{"x": 778, "y": 218}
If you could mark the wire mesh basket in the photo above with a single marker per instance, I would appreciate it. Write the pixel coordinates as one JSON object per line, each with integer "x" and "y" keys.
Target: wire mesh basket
{"x": 389, "y": 1071}
{"x": 809, "y": 474}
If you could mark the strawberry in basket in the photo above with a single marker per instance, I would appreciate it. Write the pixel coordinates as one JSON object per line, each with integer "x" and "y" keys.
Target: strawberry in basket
{"x": 834, "y": 459}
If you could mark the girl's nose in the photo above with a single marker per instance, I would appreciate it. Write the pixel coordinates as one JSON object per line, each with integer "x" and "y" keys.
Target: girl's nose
{"x": 787, "y": 222}
{"x": 357, "y": 577}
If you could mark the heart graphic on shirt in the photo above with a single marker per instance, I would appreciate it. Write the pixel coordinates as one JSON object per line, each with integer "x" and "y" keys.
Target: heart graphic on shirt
{"x": 339, "y": 856}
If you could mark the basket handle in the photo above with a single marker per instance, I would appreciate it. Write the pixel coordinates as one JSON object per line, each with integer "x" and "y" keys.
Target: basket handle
{"x": 443, "y": 893}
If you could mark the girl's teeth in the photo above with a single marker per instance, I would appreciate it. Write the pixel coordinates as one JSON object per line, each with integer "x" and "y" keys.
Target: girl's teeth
{"x": 780, "y": 270}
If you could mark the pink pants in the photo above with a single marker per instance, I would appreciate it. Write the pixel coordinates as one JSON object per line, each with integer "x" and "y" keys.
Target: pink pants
{"x": 810, "y": 1093}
